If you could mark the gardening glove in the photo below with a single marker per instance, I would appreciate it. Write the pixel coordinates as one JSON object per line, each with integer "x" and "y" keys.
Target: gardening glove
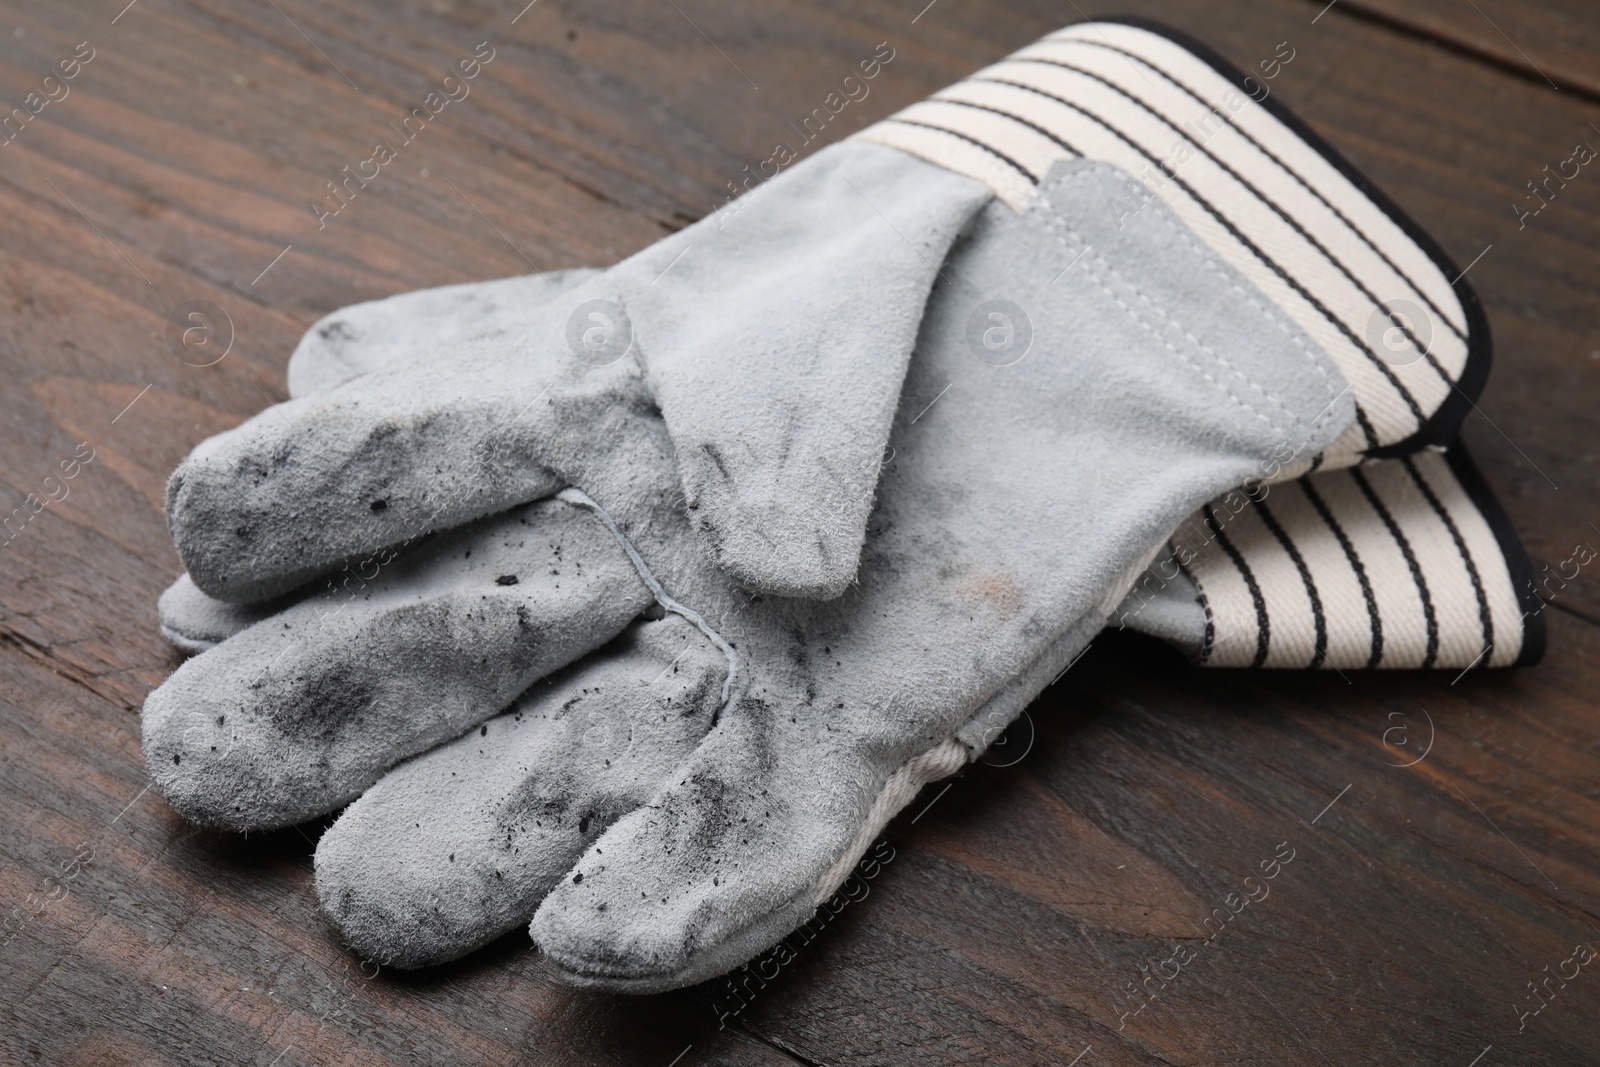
{"x": 1024, "y": 497}
{"x": 772, "y": 336}
{"x": 914, "y": 419}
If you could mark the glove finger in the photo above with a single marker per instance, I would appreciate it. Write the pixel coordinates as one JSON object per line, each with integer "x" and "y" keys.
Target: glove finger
{"x": 398, "y": 330}
{"x": 780, "y": 388}
{"x": 194, "y": 622}
{"x": 362, "y": 339}
{"x": 715, "y": 868}
{"x": 302, "y": 711}
{"x": 455, "y": 848}
{"x": 759, "y": 828}
{"x": 262, "y": 508}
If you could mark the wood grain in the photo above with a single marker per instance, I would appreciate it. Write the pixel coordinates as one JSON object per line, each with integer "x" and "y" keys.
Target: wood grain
{"x": 1021, "y": 903}
{"x": 1553, "y": 44}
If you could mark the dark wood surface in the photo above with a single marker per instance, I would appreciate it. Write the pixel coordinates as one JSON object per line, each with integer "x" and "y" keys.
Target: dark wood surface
{"x": 1551, "y": 44}
{"x": 1420, "y": 901}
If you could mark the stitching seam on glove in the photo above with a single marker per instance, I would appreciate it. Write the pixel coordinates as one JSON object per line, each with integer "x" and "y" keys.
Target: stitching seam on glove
{"x": 584, "y": 500}
{"x": 1055, "y": 223}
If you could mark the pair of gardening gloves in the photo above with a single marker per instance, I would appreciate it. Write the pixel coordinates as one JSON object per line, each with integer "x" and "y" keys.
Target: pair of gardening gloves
{"x": 629, "y": 605}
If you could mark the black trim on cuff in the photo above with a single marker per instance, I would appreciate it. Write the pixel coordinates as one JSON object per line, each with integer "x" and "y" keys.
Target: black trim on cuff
{"x": 1518, "y": 565}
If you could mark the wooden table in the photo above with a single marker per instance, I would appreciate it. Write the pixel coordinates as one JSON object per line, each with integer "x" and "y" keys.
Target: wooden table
{"x": 1019, "y": 908}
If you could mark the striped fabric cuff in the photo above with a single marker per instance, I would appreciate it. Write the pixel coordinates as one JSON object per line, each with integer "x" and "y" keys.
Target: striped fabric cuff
{"x": 1259, "y": 187}
{"x": 1399, "y": 563}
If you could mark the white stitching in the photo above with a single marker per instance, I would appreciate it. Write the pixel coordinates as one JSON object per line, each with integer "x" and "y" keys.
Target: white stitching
{"x": 1247, "y": 293}
{"x": 1053, "y": 220}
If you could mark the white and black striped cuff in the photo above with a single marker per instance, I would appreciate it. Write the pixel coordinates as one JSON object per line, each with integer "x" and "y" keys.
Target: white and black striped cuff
{"x": 1259, "y": 187}
{"x": 1397, "y": 563}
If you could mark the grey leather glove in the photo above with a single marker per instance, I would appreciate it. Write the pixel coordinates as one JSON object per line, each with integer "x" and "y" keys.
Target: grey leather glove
{"x": 998, "y": 549}
{"x": 1400, "y": 563}
{"x": 423, "y": 907}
